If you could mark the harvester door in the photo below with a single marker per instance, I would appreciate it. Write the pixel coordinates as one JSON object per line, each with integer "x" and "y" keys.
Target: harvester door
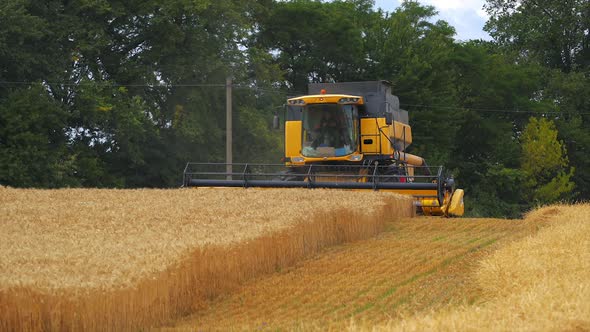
{"x": 370, "y": 136}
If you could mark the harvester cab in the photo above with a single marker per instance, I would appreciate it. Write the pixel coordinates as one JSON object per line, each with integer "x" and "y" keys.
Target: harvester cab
{"x": 350, "y": 135}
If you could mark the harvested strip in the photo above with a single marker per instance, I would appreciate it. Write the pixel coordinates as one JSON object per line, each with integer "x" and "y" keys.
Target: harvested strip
{"x": 416, "y": 265}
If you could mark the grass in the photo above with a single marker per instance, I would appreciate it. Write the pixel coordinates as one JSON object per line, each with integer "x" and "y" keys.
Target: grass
{"x": 83, "y": 259}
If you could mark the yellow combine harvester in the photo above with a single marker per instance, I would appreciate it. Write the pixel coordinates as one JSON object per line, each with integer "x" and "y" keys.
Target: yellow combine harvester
{"x": 347, "y": 136}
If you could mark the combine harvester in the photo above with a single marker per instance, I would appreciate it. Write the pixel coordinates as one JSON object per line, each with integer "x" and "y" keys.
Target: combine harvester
{"x": 343, "y": 136}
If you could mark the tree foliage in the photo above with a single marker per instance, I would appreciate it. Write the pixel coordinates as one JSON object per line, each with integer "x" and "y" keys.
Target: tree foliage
{"x": 552, "y": 32}
{"x": 544, "y": 161}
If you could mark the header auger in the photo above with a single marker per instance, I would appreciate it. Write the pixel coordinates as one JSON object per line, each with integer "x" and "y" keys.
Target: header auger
{"x": 344, "y": 136}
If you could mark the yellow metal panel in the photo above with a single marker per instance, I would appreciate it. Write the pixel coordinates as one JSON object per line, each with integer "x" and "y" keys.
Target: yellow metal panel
{"x": 292, "y": 138}
{"x": 411, "y": 159}
{"x": 453, "y": 206}
{"x": 386, "y": 134}
{"x": 457, "y": 207}
{"x": 369, "y": 131}
{"x": 402, "y": 132}
{"x": 383, "y": 135}
{"x": 430, "y": 207}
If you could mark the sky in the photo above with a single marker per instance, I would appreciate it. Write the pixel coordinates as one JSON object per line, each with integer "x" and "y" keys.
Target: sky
{"x": 466, "y": 16}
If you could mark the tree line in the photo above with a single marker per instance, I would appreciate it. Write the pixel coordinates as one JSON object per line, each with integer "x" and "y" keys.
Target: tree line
{"x": 122, "y": 94}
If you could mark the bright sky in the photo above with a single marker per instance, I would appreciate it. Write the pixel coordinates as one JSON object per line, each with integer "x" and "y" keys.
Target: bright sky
{"x": 466, "y": 16}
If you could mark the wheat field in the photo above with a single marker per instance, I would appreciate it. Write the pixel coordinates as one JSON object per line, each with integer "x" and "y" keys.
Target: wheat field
{"x": 86, "y": 259}
{"x": 235, "y": 259}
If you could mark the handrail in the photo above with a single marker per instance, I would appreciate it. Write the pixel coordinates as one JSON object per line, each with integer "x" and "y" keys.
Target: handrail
{"x": 309, "y": 179}
{"x": 375, "y": 173}
{"x": 244, "y": 176}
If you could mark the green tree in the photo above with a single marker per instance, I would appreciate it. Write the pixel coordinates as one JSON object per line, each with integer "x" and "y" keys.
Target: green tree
{"x": 545, "y": 162}
{"x": 26, "y": 52}
{"x": 33, "y": 152}
{"x": 568, "y": 93}
{"x": 315, "y": 41}
{"x": 553, "y": 32}
{"x": 135, "y": 80}
{"x": 485, "y": 162}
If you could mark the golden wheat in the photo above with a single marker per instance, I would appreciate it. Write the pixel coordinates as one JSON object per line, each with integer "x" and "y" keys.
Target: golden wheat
{"x": 124, "y": 259}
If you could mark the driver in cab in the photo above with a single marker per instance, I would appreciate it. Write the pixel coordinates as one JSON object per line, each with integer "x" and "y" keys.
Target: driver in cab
{"x": 328, "y": 132}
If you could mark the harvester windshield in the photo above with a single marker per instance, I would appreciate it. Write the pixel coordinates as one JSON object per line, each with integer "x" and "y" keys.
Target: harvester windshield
{"x": 329, "y": 130}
